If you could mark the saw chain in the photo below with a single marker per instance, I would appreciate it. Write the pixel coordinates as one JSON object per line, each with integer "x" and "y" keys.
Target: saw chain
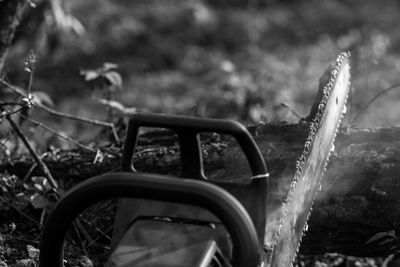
{"x": 311, "y": 165}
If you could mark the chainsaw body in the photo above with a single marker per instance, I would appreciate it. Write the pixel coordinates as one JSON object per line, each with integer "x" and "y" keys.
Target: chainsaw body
{"x": 163, "y": 220}
{"x": 189, "y": 235}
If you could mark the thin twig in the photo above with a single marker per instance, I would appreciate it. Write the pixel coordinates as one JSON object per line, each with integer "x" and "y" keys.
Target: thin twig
{"x": 69, "y": 139}
{"x": 384, "y": 91}
{"x": 296, "y": 114}
{"x": 27, "y": 241}
{"x": 28, "y": 174}
{"x": 31, "y": 67}
{"x": 77, "y": 231}
{"x": 2, "y": 103}
{"x": 3, "y": 144}
{"x": 5, "y": 114}
{"x": 84, "y": 233}
{"x": 43, "y": 216}
{"x": 37, "y": 224}
{"x": 14, "y": 88}
{"x": 35, "y": 156}
{"x": 53, "y": 112}
{"x": 81, "y": 119}
{"x": 102, "y": 234}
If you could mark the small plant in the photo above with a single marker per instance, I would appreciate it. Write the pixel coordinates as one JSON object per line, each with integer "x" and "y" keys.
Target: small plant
{"x": 108, "y": 80}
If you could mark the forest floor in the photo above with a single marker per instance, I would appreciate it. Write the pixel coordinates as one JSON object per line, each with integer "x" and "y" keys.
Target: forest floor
{"x": 249, "y": 62}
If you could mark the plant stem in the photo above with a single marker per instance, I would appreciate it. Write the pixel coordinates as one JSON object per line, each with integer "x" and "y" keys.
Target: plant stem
{"x": 69, "y": 139}
{"x": 32, "y": 151}
{"x": 53, "y": 112}
{"x": 372, "y": 100}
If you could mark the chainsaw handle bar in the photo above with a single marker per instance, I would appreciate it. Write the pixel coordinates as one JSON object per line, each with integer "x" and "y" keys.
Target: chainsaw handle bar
{"x": 246, "y": 251}
{"x": 187, "y": 129}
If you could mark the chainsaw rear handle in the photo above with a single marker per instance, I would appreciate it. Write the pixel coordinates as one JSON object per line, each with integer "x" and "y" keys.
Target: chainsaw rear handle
{"x": 187, "y": 129}
{"x": 246, "y": 249}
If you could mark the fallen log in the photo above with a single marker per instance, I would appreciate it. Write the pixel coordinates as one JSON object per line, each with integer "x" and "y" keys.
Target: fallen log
{"x": 357, "y": 211}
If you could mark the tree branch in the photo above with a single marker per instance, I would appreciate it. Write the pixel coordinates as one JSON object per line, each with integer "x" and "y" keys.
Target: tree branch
{"x": 35, "y": 156}
{"x": 39, "y": 124}
{"x": 53, "y": 112}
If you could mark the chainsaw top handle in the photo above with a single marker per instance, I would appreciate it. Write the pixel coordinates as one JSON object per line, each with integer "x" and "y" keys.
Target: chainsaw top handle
{"x": 188, "y": 129}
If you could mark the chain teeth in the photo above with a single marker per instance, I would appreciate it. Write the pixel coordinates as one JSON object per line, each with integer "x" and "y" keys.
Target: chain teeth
{"x": 314, "y": 126}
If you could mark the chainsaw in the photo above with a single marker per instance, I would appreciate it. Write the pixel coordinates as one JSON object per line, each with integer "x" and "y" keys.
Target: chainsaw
{"x": 192, "y": 220}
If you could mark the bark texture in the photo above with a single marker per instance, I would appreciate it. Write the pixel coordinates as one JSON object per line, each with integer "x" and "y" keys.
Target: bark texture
{"x": 357, "y": 212}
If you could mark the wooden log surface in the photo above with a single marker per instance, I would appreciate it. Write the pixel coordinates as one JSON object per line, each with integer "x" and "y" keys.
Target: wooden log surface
{"x": 357, "y": 212}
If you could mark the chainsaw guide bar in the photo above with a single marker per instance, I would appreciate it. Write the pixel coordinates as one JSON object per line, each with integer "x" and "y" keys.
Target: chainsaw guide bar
{"x": 311, "y": 166}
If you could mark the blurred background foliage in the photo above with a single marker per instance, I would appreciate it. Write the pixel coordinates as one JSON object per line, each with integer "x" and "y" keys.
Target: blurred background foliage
{"x": 250, "y": 60}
